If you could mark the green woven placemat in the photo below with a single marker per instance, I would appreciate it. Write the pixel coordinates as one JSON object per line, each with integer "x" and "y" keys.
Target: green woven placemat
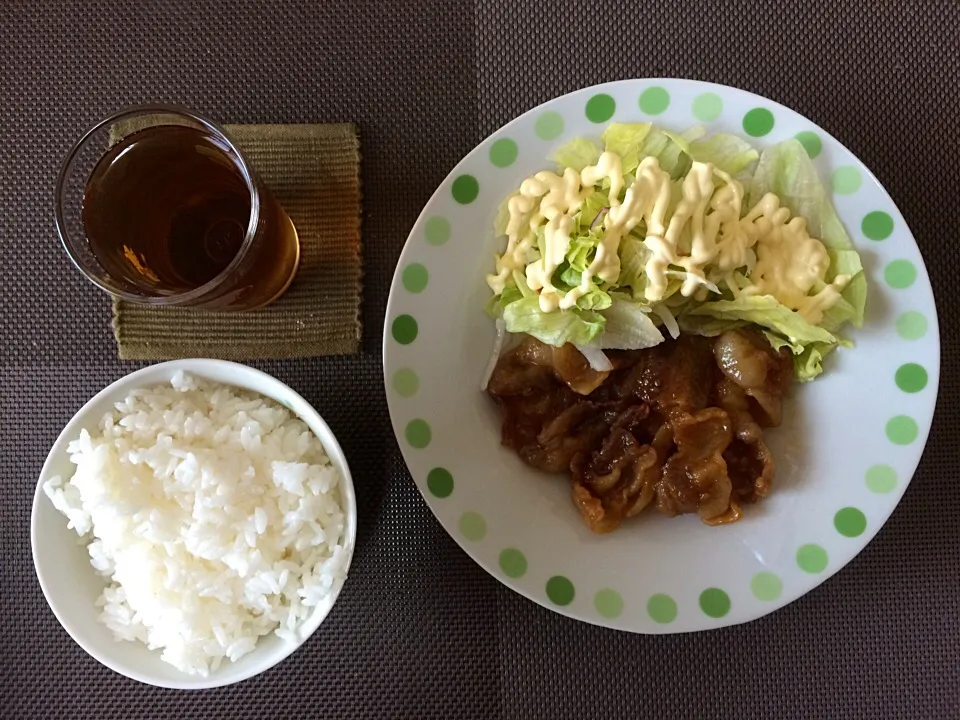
{"x": 313, "y": 171}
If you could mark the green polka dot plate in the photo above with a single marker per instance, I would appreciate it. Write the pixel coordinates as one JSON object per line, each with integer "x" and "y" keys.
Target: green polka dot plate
{"x": 845, "y": 453}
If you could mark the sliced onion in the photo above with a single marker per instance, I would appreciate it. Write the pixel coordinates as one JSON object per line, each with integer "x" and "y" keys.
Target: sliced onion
{"x": 669, "y": 321}
{"x": 494, "y": 355}
{"x": 599, "y": 217}
{"x": 701, "y": 281}
{"x": 596, "y": 357}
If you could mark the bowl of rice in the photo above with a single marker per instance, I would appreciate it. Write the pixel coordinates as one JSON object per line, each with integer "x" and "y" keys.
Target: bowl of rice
{"x": 193, "y": 524}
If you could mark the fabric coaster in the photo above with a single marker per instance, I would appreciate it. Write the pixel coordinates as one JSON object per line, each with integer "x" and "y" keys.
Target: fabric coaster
{"x": 313, "y": 171}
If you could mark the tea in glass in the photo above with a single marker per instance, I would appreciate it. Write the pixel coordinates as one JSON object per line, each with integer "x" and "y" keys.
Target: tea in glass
{"x": 171, "y": 214}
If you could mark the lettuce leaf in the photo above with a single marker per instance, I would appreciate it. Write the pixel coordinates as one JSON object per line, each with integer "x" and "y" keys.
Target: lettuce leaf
{"x": 626, "y": 139}
{"x": 576, "y": 154}
{"x": 516, "y": 288}
{"x": 809, "y": 363}
{"x": 767, "y": 312}
{"x": 807, "y": 360}
{"x": 853, "y": 298}
{"x": 596, "y": 299}
{"x": 579, "y": 327}
{"x": 729, "y": 153}
{"x": 580, "y": 252}
{"x": 706, "y": 325}
{"x": 566, "y": 277}
{"x": 672, "y": 150}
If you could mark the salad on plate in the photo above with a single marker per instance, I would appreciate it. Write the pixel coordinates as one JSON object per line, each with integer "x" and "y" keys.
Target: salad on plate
{"x": 655, "y": 296}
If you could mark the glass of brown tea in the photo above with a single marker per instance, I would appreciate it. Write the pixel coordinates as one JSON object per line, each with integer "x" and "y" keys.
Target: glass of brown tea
{"x": 157, "y": 205}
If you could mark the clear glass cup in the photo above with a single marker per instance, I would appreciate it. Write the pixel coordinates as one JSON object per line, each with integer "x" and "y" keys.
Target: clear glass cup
{"x": 157, "y": 205}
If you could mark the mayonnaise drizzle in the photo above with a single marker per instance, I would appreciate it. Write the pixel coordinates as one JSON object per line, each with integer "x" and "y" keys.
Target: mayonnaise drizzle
{"x": 703, "y": 240}
{"x": 790, "y": 263}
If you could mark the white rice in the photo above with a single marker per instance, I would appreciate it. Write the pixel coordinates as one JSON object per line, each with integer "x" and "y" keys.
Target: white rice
{"x": 214, "y": 513}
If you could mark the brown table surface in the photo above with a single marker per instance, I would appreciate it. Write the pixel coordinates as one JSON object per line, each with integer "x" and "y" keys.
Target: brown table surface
{"x": 421, "y": 631}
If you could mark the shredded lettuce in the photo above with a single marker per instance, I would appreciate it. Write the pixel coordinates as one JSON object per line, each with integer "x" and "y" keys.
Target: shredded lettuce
{"x": 611, "y": 315}
{"x": 516, "y": 288}
{"x": 512, "y": 293}
{"x": 580, "y": 252}
{"x": 633, "y": 257}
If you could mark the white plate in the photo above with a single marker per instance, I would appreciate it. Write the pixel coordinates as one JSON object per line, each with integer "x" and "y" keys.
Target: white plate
{"x": 847, "y": 449}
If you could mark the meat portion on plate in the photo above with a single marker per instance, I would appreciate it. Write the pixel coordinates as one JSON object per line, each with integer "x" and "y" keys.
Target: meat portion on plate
{"x": 678, "y": 426}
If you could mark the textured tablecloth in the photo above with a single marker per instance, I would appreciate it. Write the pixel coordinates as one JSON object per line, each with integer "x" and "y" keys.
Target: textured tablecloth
{"x": 420, "y": 630}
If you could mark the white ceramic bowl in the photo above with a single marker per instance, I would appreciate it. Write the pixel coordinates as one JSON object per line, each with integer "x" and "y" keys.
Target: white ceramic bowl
{"x": 70, "y": 584}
